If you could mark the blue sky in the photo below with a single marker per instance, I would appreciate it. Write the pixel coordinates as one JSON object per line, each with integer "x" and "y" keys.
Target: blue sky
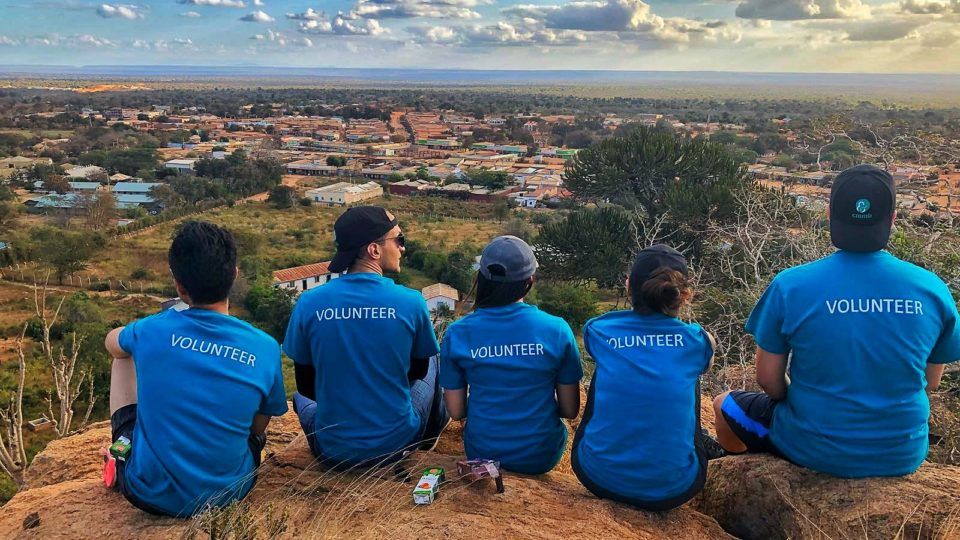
{"x": 737, "y": 35}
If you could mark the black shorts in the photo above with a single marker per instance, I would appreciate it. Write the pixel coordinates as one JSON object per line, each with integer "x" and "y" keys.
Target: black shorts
{"x": 749, "y": 415}
{"x": 122, "y": 423}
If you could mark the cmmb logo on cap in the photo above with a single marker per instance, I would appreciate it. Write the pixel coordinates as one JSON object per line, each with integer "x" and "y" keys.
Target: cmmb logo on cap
{"x": 862, "y": 207}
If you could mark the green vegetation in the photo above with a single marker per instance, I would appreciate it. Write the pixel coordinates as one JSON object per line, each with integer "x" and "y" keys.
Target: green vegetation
{"x": 658, "y": 173}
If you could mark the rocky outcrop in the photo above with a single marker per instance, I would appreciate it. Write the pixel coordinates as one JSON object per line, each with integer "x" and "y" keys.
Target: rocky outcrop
{"x": 746, "y": 496}
{"x": 64, "y": 498}
{"x": 761, "y": 497}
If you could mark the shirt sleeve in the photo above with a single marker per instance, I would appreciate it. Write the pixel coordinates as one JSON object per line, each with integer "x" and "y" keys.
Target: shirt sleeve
{"x": 571, "y": 369}
{"x": 587, "y": 337}
{"x": 947, "y": 348}
{"x": 452, "y": 376}
{"x": 425, "y": 341}
{"x": 766, "y": 321}
{"x": 708, "y": 348}
{"x": 275, "y": 403}
{"x": 130, "y": 336}
{"x": 296, "y": 341}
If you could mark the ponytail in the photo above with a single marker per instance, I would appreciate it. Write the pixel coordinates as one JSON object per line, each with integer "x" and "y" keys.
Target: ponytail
{"x": 665, "y": 291}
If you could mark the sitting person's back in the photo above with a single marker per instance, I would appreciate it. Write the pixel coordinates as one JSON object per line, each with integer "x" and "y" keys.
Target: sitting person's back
{"x": 364, "y": 352}
{"x": 206, "y": 384}
{"x": 521, "y": 366}
{"x": 861, "y": 328}
{"x": 362, "y": 329}
{"x": 640, "y": 441}
{"x": 866, "y": 335}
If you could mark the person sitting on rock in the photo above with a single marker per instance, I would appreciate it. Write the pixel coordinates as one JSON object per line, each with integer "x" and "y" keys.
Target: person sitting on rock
{"x": 193, "y": 390}
{"x": 364, "y": 352}
{"x": 846, "y": 347}
{"x": 520, "y": 365}
{"x": 639, "y": 441}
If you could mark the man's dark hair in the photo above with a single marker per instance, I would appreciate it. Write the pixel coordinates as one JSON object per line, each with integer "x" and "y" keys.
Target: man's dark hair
{"x": 203, "y": 259}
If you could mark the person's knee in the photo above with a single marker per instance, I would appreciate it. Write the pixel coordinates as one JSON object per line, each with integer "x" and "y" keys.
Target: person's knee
{"x": 718, "y": 406}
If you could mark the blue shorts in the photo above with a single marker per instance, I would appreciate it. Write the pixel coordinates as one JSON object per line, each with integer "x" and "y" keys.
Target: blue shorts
{"x": 750, "y": 415}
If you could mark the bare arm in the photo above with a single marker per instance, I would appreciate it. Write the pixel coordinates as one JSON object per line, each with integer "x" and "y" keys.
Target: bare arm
{"x": 934, "y": 375}
{"x": 260, "y": 422}
{"x": 772, "y": 373}
{"x": 112, "y": 343}
{"x": 456, "y": 402}
{"x": 568, "y": 398}
{"x": 713, "y": 347}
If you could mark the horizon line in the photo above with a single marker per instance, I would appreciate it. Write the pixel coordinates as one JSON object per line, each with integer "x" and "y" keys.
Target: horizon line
{"x": 465, "y": 69}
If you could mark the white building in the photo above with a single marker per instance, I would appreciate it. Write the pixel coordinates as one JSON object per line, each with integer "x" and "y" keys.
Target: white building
{"x": 440, "y": 294}
{"x": 134, "y": 188}
{"x": 345, "y": 193}
{"x": 87, "y": 171}
{"x": 182, "y": 166}
{"x": 304, "y": 278}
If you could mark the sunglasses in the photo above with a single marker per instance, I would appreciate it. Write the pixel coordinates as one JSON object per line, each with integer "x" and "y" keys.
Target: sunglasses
{"x": 401, "y": 240}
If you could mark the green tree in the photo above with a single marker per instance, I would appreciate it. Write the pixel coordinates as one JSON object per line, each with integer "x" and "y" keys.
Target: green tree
{"x": 57, "y": 184}
{"x": 692, "y": 180}
{"x": 785, "y": 161}
{"x": 8, "y": 215}
{"x": 665, "y": 126}
{"x": 594, "y": 244}
{"x": 270, "y": 307}
{"x": 281, "y": 196}
{"x": 574, "y": 304}
{"x": 66, "y": 252}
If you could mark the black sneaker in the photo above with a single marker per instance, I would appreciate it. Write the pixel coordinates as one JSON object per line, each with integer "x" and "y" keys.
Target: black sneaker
{"x": 711, "y": 448}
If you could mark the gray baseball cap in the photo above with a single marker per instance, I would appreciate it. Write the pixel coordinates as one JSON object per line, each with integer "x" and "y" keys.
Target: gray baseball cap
{"x": 507, "y": 259}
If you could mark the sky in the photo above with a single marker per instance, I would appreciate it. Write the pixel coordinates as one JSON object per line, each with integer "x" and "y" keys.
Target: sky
{"x": 861, "y": 36}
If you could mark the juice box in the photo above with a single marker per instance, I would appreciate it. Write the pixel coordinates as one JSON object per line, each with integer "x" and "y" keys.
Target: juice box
{"x": 428, "y": 486}
{"x": 120, "y": 449}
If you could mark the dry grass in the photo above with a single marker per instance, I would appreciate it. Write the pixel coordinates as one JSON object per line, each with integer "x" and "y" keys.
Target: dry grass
{"x": 301, "y": 235}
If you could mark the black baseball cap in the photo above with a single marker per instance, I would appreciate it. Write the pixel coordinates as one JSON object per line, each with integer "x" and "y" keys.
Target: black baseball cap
{"x": 355, "y": 229}
{"x": 654, "y": 258}
{"x": 862, "y": 202}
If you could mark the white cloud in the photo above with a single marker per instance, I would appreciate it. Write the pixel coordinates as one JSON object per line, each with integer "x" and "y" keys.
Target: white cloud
{"x": 606, "y": 15}
{"x": 283, "y": 40}
{"x": 883, "y": 30}
{"x": 88, "y": 40}
{"x": 121, "y": 11}
{"x": 309, "y": 15}
{"x": 7, "y": 41}
{"x": 792, "y": 10}
{"x": 920, "y": 7}
{"x": 258, "y": 2}
{"x": 215, "y": 3}
{"x": 940, "y": 38}
{"x": 190, "y": 14}
{"x": 498, "y": 34}
{"x": 343, "y": 24}
{"x": 162, "y": 45}
{"x": 408, "y": 9}
{"x": 600, "y": 20}
{"x": 257, "y": 16}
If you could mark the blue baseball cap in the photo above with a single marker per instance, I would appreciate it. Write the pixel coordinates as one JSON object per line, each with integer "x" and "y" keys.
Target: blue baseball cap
{"x": 507, "y": 259}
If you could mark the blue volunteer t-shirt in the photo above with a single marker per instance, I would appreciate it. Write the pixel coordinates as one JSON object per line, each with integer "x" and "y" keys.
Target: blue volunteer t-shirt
{"x": 642, "y": 416}
{"x": 861, "y": 328}
{"x": 201, "y": 378}
{"x": 359, "y": 332}
{"x": 512, "y": 358}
